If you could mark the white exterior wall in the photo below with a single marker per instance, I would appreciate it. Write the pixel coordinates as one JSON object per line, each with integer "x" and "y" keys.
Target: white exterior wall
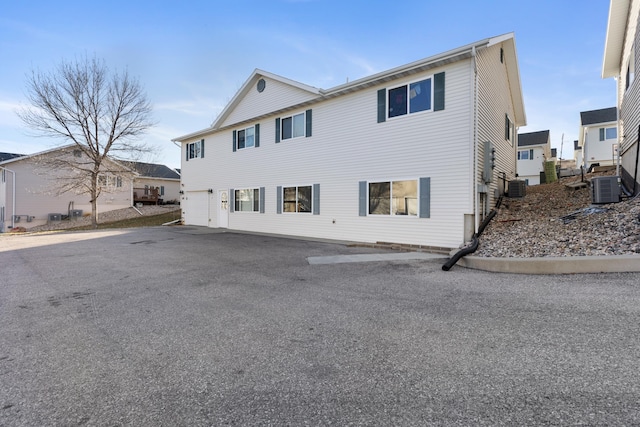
{"x": 596, "y": 151}
{"x": 349, "y": 146}
{"x": 530, "y": 169}
{"x": 493, "y": 103}
{"x": 253, "y": 104}
{"x": 35, "y": 196}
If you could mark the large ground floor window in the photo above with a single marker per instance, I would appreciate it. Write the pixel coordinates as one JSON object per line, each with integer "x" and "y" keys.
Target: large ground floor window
{"x": 297, "y": 199}
{"x": 247, "y": 200}
{"x": 393, "y": 198}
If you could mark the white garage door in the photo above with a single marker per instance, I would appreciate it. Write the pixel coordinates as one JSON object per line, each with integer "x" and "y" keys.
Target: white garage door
{"x": 196, "y": 211}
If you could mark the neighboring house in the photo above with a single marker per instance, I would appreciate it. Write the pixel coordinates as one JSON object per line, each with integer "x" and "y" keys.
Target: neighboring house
{"x": 9, "y": 156}
{"x": 155, "y": 183}
{"x": 28, "y": 190}
{"x": 413, "y": 155}
{"x": 534, "y": 149}
{"x": 577, "y": 154}
{"x": 620, "y": 57}
{"x": 598, "y": 137}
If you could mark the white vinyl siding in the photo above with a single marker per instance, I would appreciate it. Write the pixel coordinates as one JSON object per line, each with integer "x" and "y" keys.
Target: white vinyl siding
{"x": 494, "y": 102}
{"x": 338, "y": 157}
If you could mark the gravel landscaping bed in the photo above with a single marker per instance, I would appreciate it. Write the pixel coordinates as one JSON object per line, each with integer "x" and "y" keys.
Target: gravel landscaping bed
{"x": 554, "y": 220}
{"x": 110, "y": 216}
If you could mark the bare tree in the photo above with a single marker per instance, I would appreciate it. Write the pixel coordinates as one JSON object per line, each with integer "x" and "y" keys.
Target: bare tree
{"x": 101, "y": 115}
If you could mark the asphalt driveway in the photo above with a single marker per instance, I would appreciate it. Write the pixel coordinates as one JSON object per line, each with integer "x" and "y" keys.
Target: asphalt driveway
{"x": 188, "y": 326}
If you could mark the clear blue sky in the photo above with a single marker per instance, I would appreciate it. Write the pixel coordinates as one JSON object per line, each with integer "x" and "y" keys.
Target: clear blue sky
{"x": 192, "y": 57}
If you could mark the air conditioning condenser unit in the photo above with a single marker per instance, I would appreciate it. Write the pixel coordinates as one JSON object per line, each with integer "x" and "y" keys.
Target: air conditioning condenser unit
{"x": 605, "y": 189}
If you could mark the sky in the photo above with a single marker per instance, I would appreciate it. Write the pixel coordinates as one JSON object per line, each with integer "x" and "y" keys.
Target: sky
{"x": 191, "y": 57}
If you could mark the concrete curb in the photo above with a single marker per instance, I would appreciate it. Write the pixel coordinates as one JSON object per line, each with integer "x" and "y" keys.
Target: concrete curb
{"x": 555, "y": 265}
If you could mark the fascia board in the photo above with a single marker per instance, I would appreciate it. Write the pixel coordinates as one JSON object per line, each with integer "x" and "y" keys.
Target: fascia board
{"x": 614, "y": 42}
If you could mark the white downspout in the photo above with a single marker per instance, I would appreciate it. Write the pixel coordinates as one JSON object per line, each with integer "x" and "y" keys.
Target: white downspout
{"x": 474, "y": 187}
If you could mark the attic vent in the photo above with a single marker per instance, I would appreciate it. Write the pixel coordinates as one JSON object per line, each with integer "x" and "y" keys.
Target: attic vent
{"x": 517, "y": 189}
{"x": 605, "y": 189}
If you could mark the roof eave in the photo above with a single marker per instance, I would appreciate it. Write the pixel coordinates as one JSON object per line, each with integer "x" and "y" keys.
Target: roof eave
{"x": 614, "y": 42}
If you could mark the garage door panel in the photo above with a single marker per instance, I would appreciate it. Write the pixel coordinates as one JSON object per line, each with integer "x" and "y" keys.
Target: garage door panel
{"x": 196, "y": 210}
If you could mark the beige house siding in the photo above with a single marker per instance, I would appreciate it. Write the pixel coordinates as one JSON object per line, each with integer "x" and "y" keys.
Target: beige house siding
{"x": 36, "y": 195}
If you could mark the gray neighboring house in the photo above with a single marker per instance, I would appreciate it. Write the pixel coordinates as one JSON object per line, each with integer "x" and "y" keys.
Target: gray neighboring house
{"x": 534, "y": 148}
{"x": 598, "y": 137}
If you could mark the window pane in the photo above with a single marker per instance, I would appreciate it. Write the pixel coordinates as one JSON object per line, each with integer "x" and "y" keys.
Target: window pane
{"x": 287, "y": 127}
{"x": 611, "y": 133}
{"x": 379, "y": 198}
{"x": 298, "y": 125}
{"x": 196, "y": 149}
{"x": 249, "y": 132}
{"x": 304, "y": 199}
{"x": 398, "y": 101}
{"x": 523, "y": 155}
{"x": 240, "y": 139}
{"x": 420, "y": 96}
{"x": 289, "y": 199}
{"x": 405, "y": 197}
{"x": 244, "y": 200}
{"x": 192, "y": 150}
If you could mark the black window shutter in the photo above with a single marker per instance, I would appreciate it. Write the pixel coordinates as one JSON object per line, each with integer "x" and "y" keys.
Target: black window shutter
{"x": 202, "y": 148}
{"x": 382, "y": 105}
{"x": 425, "y": 197}
{"x": 316, "y": 199}
{"x": 307, "y": 118}
{"x": 438, "y": 92}
{"x": 257, "y": 136}
{"x": 261, "y": 199}
{"x": 278, "y": 130}
{"x": 235, "y": 138}
{"x": 279, "y": 199}
{"x": 601, "y": 134}
{"x": 362, "y": 198}
{"x": 232, "y": 200}
{"x": 186, "y": 149}
{"x": 531, "y": 154}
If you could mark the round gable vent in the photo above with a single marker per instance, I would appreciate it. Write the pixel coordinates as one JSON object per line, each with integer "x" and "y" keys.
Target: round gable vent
{"x": 261, "y": 85}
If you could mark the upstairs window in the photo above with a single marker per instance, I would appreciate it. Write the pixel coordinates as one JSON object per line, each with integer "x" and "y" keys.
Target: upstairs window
{"x": 631, "y": 68}
{"x": 525, "y": 154}
{"x": 195, "y": 150}
{"x": 608, "y": 133}
{"x": 508, "y": 129}
{"x": 294, "y": 126}
{"x": 109, "y": 181}
{"x": 410, "y": 98}
{"x": 246, "y": 138}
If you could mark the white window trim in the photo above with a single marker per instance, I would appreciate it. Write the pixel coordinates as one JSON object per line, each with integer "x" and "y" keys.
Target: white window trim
{"x": 408, "y": 84}
{"x": 304, "y": 126}
{"x": 194, "y": 144}
{"x": 297, "y": 186}
{"x": 245, "y": 138}
{"x": 390, "y": 215}
{"x": 235, "y": 200}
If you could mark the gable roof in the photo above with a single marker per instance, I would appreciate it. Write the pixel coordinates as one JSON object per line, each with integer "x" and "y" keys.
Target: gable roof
{"x": 438, "y": 60}
{"x": 9, "y": 156}
{"x": 533, "y": 138}
{"x": 614, "y": 42}
{"x": 153, "y": 170}
{"x": 603, "y": 115}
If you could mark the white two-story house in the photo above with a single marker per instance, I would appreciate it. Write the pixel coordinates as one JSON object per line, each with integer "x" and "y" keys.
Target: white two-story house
{"x": 621, "y": 49}
{"x": 534, "y": 148}
{"x": 598, "y": 137}
{"x": 415, "y": 155}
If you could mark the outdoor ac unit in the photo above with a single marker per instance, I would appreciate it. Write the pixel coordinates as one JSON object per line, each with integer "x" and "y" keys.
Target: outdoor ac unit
{"x": 605, "y": 189}
{"x": 517, "y": 189}
{"x": 75, "y": 213}
{"x": 55, "y": 217}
